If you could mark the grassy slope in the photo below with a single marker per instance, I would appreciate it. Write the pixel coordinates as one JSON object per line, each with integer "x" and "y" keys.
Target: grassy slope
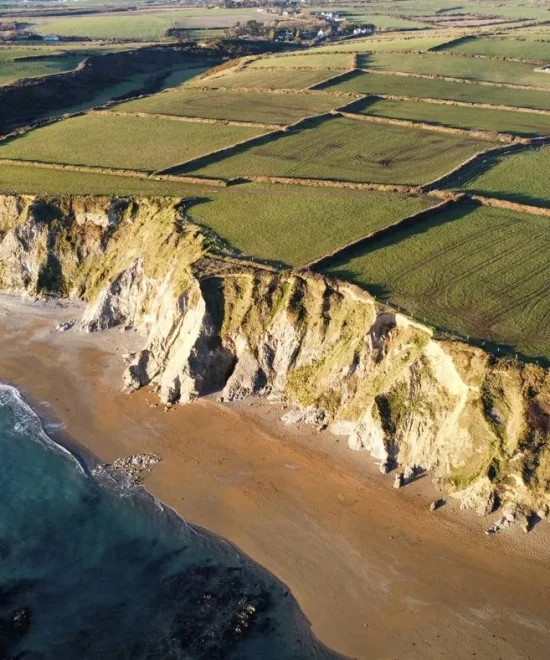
{"x": 483, "y": 272}
{"x": 469, "y": 68}
{"x": 268, "y": 79}
{"x": 442, "y": 89}
{"x": 294, "y": 225}
{"x": 126, "y": 142}
{"x": 521, "y": 177}
{"x": 12, "y": 69}
{"x": 310, "y": 59}
{"x": 182, "y": 77}
{"x": 241, "y": 106}
{"x": 349, "y": 150}
{"x": 530, "y": 48}
{"x": 502, "y": 121}
{"x": 25, "y": 179}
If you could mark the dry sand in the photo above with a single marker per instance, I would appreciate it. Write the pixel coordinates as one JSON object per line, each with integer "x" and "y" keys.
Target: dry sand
{"x": 376, "y": 573}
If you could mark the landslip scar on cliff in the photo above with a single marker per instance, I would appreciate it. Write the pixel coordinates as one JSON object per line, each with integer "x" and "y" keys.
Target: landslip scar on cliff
{"x": 327, "y": 349}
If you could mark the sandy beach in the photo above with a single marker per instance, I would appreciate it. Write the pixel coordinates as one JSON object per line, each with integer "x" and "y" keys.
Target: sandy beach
{"x": 376, "y": 573}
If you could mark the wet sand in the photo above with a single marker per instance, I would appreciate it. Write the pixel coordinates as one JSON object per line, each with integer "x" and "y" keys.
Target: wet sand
{"x": 376, "y": 573}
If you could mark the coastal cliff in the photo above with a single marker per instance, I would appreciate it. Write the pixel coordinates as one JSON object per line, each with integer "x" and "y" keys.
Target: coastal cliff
{"x": 325, "y": 349}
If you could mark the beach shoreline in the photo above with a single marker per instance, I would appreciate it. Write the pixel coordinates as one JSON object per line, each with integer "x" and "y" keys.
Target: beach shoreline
{"x": 374, "y": 571}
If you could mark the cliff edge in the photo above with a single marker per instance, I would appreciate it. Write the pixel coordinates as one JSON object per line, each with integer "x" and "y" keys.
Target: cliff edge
{"x": 479, "y": 425}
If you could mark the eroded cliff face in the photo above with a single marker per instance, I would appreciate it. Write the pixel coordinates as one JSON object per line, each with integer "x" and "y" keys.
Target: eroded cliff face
{"x": 325, "y": 348}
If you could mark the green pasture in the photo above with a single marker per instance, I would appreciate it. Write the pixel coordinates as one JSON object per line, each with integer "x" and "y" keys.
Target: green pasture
{"x": 308, "y": 59}
{"x": 501, "y": 121}
{"x": 123, "y": 142}
{"x": 384, "y": 22}
{"x": 33, "y": 180}
{"x": 268, "y": 79}
{"x": 398, "y": 42}
{"x": 525, "y": 47}
{"x": 239, "y": 106}
{"x": 533, "y": 10}
{"x": 479, "y": 271}
{"x": 469, "y": 68}
{"x": 520, "y": 177}
{"x": 385, "y": 84}
{"x": 350, "y": 150}
{"x": 295, "y": 225}
{"x": 149, "y": 25}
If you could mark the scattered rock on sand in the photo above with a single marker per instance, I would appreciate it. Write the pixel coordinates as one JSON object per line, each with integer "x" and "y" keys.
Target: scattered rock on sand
{"x": 308, "y": 415}
{"x": 512, "y": 513}
{"x": 136, "y": 467}
{"x": 437, "y": 504}
{"x": 63, "y": 327}
{"x": 410, "y": 472}
{"x": 399, "y": 481}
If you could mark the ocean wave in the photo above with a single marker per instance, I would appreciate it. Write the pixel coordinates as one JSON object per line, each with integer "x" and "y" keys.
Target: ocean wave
{"x": 28, "y": 422}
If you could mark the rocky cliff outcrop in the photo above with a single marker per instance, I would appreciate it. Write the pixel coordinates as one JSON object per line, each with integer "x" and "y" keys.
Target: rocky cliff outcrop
{"x": 325, "y": 348}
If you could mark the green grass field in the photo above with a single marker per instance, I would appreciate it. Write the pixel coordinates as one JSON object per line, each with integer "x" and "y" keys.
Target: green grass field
{"x": 366, "y": 83}
{"x": 501, "y": 121}
{"x": 13, "y": 68}
{"x": 295, "y": 225}
{"x": 123, "y": 142}
{"x": 482, "y": 272}
{"x": 351, "y": 150}
{"x": 28, "y": 179}
{"x": 521, "y": 177}
{"x": 240, "y": 106}
{"x": 181, "y": 77}
{"x": 148, "y": 25}
{"x": 311, "y": 59}
{"x": 469, "y": 68}
{"x": 268, "y": 79}
{"x": 398, "y": 42}
{"x": 285, "y": 224}
{"x": 507, "y": 10}
{"x": 530, "y": 48}
{"x": 383, "y": 21}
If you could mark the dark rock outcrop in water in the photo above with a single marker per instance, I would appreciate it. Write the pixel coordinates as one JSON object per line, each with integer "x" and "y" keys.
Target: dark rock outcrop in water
{"x": 325, "y": 348}
{"x": 12, "y": 629}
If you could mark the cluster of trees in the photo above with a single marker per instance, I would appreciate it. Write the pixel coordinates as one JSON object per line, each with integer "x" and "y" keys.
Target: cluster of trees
{"x": 252, "y": 28}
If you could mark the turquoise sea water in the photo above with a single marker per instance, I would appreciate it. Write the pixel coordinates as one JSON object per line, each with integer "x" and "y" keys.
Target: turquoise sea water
{"x": 100, "y": 569}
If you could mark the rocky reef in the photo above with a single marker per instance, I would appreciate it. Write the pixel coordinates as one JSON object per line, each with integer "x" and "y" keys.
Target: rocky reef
{"x": 341, "y": 361}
